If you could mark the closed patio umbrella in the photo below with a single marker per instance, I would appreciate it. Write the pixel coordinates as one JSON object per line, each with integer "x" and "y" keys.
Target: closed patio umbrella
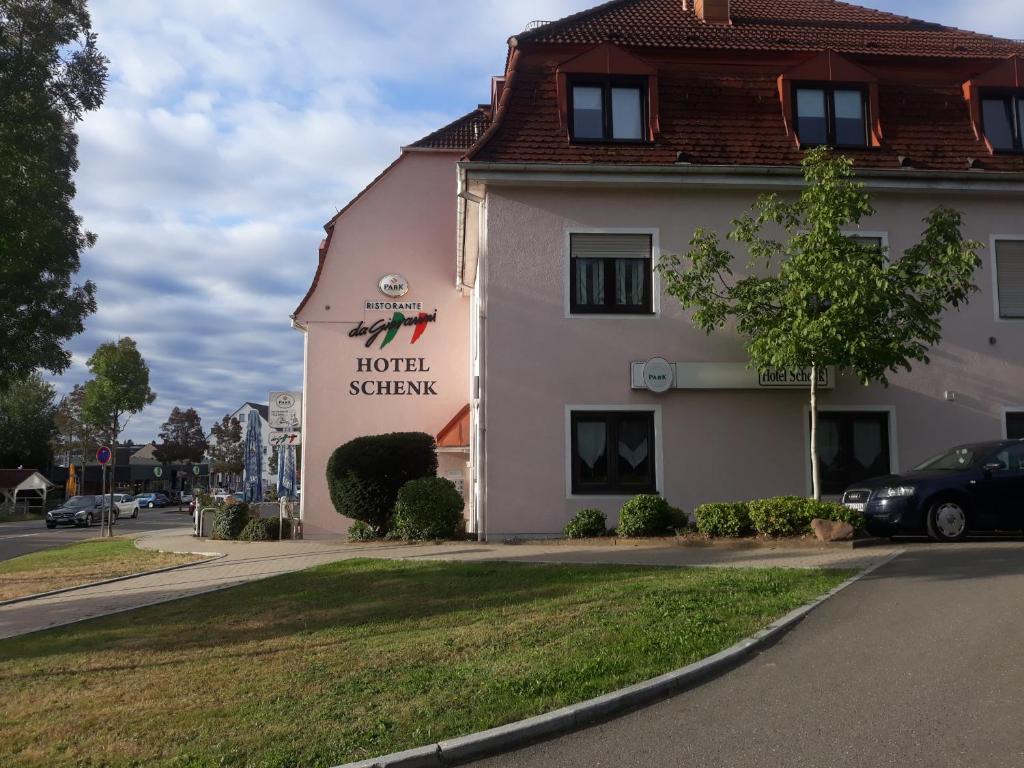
{"x": 286, "y": 479}
{"x": 253, "y": 480}
{"x": 71, "y": 488}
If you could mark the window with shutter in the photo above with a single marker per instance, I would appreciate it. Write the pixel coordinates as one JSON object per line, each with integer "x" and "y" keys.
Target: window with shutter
{"x": 611, "y": 274}
{"x": 1010, "y": 278}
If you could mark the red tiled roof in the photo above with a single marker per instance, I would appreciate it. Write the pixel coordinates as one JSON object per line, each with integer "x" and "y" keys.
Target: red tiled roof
{"x": 768, "y": 25}
{"x": 459, "y": 134}
{"x": 718, "y": 108}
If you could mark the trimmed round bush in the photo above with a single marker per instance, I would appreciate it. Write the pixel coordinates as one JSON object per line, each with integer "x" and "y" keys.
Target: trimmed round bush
{"x": 360, "y": 531}
{"x": 587, "y": 524}
{"x": 229, "y": 521}
{"x": 365, "y": 475}
{"x": 428, "y": 508}
{"x": 645, "y": 515}
{"x": 266, "y": 529}
{"x": 724, "y": 520}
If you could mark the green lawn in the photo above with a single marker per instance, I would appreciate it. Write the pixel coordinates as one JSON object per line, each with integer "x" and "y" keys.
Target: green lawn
{"x": 81, "y": 563}
{"x": 365, "y": 657}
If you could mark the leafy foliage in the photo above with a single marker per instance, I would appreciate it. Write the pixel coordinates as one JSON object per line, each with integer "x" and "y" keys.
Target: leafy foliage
{"x": 360, "y": 531}
{"x": 428, "y": 508}
{"x": 587, "y": 524}
{"x": 820, "y": 297}
{"x": 725, "y": 520}
{"x": 227, "y": 452}
{"x": 645, "y": 515}
{"x": 181, "y": 438}
{"x": 830, "y": 510}
{"x": 780, "y": 516}
{"x": 26, "y": 423}
{"x": 75, "y": 439}
{"x": 365, "y": 475}
{"x": 230, "y": 520}
{"x": 266, "y": 529}
{"x": 119, "y": 387}
{"x": 51, "y": 75}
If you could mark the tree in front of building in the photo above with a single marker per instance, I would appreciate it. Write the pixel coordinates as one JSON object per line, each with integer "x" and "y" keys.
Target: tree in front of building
{"x": 27, "y": 410}
{"x": 817, "y": 297}
{"x": 181, "y": 438}
{"x": 75, "y": 440}
{"x": 52, "y": 74}
{"x": 227, "y": 452}
{"x": 118, "y": 390}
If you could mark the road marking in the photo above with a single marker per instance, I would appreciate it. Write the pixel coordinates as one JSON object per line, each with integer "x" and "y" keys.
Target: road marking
{"x": 21, "y": 536}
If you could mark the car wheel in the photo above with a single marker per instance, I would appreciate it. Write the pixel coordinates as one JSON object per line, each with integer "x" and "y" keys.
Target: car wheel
{"x": 135, "y": 513}
{"x": 947, "y": 521}
{"x": 51, "y": 525}
{"x": 88, "y": 520}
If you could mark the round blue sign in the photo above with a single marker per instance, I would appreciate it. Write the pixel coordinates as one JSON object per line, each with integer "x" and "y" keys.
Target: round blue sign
{"x": 103, "y": 455}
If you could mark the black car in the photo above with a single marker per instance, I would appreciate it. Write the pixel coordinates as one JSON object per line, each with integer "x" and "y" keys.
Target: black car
{"x": 969, "y": 489}
{"x": 82, "y": 511}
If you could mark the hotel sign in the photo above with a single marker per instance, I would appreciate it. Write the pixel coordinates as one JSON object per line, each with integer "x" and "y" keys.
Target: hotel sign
{"x": 727, "y": 376}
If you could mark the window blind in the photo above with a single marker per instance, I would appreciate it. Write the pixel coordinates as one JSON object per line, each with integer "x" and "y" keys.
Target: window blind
{"x": 608, "y": 246}
{"x": 1010, "y": 273}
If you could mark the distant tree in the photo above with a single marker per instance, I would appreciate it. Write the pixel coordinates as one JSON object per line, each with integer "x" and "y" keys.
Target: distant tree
{"x": 26, "y": 423}
{"x": 118, "y": 390}
{"x": 181, "y": 438}
{"x": 75, "y": 439}
{"x": 51, "y": 74}
{"x": 226, "y": 450}
{"x": 820, "y": 298}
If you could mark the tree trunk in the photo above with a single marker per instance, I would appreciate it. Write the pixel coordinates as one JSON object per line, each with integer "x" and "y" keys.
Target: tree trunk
{"x": 815, "y": 469}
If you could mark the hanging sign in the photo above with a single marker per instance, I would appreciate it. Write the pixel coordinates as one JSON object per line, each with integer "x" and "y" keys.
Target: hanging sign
{"x": 158, "y": 472}
{"x": 285, "y": 411}
{"x": 195, "y": 469}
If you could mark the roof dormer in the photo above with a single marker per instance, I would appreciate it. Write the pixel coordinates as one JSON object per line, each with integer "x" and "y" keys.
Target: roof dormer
{"x": 996, "y": 102}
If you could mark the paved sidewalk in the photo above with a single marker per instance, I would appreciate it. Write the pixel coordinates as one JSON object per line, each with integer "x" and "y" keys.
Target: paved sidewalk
{"x": 244, "y": 562}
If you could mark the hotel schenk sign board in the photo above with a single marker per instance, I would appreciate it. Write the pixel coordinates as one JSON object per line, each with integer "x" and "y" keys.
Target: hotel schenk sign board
{"x": 654, "y": 374}
{"x": 404, "y": 323}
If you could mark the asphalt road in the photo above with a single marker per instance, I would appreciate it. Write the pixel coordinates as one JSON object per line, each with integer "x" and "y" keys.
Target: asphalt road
{"x": 22, "y": 538}
{"x": 919, "y": 664}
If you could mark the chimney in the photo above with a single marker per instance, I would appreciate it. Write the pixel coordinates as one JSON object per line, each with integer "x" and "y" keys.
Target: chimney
{"x": 712, "y": 11}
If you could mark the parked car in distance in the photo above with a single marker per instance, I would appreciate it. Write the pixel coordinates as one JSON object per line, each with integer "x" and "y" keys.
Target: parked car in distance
{"x": 220, "y": 496}
{"x": 124, "y": 505}
{"x": 186, "y": 497}
{"x": 151, "y": 500}
{"x": 238, "y": 496}
{"x": 974, "y": 488}
{"x": 82, "y": 511}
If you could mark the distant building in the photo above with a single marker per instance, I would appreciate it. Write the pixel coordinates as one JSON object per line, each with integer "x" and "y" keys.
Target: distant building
{"x": 233, "y": 481}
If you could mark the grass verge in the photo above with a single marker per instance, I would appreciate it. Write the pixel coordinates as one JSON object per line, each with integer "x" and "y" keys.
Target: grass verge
{"x": 365, "y": 657}
{"x": 18, "y": 517}
{"x": 80, "y": 563}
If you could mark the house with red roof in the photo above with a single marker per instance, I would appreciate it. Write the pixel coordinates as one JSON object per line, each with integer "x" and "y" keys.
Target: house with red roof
{"x": 527, "y": 232}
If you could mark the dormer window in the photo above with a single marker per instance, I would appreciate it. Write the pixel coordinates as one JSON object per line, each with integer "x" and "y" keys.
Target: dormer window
{"x": 608, "y": 109}
{"x": 1002, "y": 118}
{"x": 830, "y": 115}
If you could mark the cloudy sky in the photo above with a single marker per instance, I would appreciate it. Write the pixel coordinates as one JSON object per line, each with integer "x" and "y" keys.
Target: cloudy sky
{"x": 234, "y": 129}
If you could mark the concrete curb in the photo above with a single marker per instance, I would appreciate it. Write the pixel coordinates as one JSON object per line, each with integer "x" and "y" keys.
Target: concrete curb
{"x": 39, "y": 595}
{"x": 507, "y": 737}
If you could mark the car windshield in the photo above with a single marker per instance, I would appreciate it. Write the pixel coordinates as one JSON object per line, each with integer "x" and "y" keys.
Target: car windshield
{"x": 951, "y": 461}
{"x": 81, "y": 501}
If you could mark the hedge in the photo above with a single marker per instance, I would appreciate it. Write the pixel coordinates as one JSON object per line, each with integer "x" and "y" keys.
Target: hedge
{"x": 266, "y": 529}
{"x": 365, "y": 475}
{"x": 428, "y": 508}
{"x": 230, "y": 520}
{"x": 724, "y": 520}
{"x": 792, "y": 515}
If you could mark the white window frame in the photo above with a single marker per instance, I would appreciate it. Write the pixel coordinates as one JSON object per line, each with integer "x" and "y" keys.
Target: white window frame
{"x": 655, "y": 234}
{"x": 894, "y": 455}
{"x": 659, "y": 449}
{"x": 995, "y": 277}
{"x": 1004, "y": 411}
{"x": 883, "y": 236}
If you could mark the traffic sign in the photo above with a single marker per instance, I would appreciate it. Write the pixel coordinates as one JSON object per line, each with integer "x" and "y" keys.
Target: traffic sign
{"x": 103, "y": 455}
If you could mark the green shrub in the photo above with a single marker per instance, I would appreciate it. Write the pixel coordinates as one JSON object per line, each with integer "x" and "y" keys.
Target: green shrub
{"x": 428, "y": 508}
{"x": 645, "y": 515}
{"x": 365, "y": 475}
{"x": 360, "y": 531}
{"x": 678, "y": 519}
{"x": 266, "y": 529}
{"x": 587, "y": 524}
{"x": 724, "y": 520}
{"x": 780, "y": 516}
{"x": 830, "y": 510}
{"x": 230, "y": 520}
